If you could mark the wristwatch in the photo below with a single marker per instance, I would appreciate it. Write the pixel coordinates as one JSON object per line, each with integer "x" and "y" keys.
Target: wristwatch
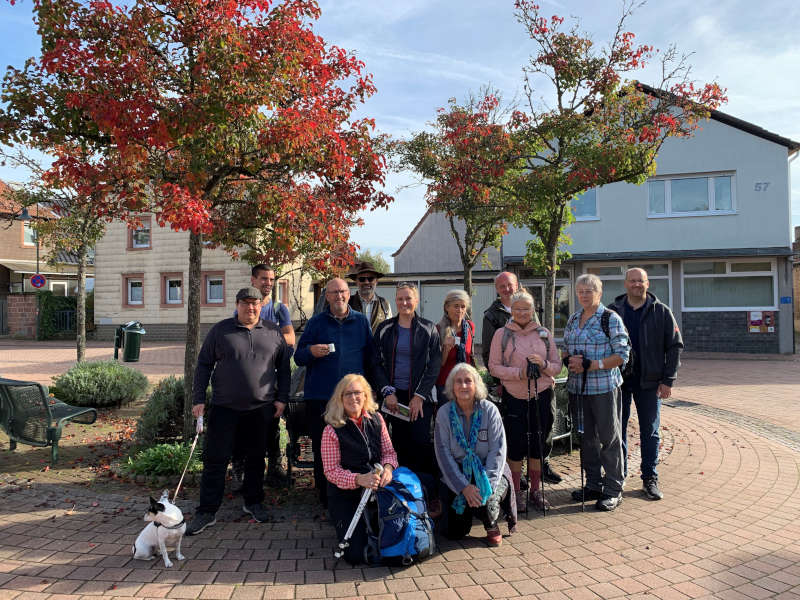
{"x": 600, "y": 364}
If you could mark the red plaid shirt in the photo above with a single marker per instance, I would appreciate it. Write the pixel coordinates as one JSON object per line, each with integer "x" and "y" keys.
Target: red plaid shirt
{"x": 331, "y": 457}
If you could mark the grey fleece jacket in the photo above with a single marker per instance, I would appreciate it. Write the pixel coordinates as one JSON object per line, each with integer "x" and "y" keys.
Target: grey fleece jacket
{"x": 491, "y": 446}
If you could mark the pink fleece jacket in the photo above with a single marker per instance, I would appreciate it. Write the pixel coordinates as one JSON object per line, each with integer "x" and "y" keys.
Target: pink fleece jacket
{"x": 525, "y": 342}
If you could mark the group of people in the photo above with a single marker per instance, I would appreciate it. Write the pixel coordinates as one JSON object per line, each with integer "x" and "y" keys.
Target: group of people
{"x": 376, "y": 382}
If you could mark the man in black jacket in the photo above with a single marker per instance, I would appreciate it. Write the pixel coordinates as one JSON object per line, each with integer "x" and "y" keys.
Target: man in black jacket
{"x": 656, "y": 342}
{"x": 249, "y": 359}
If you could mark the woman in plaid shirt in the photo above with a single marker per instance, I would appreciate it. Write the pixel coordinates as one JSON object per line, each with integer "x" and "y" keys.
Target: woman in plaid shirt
{"x": 594, "y": 360}
{"x": 354, "y": 440}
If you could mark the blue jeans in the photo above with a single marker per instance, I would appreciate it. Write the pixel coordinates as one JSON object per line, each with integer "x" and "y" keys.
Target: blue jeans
{"x": 648, "y": 410}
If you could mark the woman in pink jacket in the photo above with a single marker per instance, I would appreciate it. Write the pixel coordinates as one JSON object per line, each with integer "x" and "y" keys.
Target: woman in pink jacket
{"x": 520, "y": 342}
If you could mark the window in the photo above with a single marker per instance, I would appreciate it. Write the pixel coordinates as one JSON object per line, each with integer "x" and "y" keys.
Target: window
{"x": 741, "y": 284}
{"x": 28, "y": 234}
{"x": 133, "y": 290}
{"x": 283, "y": 292}
{"x": 59, "y": 288}
{"x": 690, "y": 196}
{"x": 584, "y": 206}
{"x": 213, "y": 288}
{"x": 141, "y": 237}
{"x": 613, "y": 278}
{"x": 171, "y": 289}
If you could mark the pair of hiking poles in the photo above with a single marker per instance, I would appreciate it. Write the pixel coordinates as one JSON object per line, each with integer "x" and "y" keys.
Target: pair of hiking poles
{"x": 533, "y": 374}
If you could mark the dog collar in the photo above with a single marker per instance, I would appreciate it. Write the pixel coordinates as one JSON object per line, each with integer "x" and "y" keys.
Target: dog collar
{"x": 170, "y": 526}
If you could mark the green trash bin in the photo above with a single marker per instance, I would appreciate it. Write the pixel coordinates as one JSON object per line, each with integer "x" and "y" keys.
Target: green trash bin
{"x": 129, "y": 337}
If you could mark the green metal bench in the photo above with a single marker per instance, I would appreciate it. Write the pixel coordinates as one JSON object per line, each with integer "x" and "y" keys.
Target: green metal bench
{"x": 30, "y": 416}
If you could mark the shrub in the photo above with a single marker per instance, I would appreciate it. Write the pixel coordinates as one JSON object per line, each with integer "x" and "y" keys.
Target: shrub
{"x": 162, "y": 418}
{"x": 99, "y": 384}
{"x": 164, "y": 459}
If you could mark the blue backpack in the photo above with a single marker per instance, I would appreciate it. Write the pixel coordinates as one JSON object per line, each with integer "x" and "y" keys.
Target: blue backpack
{"x": 405, "y": 531}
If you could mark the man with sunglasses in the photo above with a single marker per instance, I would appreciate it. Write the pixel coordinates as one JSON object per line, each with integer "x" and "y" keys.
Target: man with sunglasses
{"x": 366, "y": 301}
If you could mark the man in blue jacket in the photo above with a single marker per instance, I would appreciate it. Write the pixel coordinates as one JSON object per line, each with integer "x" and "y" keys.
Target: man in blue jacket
{"x": 334, "y": 343}
{"x": 656, "y": 348}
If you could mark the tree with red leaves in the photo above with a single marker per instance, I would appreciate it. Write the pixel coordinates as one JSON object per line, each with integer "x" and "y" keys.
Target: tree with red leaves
{"x": 464, "y": 161}
{"x": 230, "y": 118}
{"x": 598, "y": 129}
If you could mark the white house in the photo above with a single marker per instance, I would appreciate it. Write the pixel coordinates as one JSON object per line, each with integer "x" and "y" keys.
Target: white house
{"x": 712, "y": 228}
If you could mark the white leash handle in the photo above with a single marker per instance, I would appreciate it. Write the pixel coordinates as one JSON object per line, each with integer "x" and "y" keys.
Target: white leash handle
{"x": 198, "y": 431}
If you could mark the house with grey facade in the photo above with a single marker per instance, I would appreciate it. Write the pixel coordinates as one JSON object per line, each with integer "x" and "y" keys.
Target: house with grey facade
{"x": 712, "y": 228}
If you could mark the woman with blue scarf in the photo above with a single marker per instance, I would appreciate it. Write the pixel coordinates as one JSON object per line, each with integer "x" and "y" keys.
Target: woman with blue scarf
{"x": 471, "y": 451}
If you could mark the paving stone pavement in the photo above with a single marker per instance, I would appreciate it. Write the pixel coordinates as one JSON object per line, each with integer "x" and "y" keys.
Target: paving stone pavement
{"x": 729, "y": 526}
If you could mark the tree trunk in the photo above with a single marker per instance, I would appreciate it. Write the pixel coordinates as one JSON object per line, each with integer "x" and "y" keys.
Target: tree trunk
{"x": 80, "y": 309}
{"x": 192, "y": 330}
{"x": 551, "y": 265}
{"x": 468, "y": 279}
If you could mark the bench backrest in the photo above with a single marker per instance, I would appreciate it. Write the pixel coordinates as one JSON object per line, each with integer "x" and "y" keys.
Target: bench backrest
{"x": 28, "y": 416}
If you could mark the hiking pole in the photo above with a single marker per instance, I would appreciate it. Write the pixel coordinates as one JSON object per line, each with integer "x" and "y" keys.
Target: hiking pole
{"x": 199, "y": 429}
{"x": 579, "y": 420}
{"x": 527, "y": 446}
{"x": 534, "y": 368}
{"x": 365, "y": 496}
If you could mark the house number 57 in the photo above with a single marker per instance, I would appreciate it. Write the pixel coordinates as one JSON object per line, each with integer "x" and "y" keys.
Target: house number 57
{"x": 761, "y": 186}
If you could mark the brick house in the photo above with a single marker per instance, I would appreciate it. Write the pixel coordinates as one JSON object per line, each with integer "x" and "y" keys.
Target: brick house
{"x": 18, "y": 252}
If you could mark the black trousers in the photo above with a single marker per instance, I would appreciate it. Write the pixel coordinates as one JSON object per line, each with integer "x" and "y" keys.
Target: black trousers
{"x": 225, "y": 426}
{"x": 412, "y": 441}
{"x": 458, "y": 526}
{"x": 273, "y": 442}
{"x": 517, "y": 431}
{"x": 342, "y": 506}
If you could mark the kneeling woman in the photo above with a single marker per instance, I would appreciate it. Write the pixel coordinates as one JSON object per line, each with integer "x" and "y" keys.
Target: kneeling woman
{"x": 471, "y": 450}
{"x": 354, "y": 440}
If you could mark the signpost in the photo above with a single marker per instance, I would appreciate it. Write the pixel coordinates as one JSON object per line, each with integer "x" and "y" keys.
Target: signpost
{"x": 38, "y": 280}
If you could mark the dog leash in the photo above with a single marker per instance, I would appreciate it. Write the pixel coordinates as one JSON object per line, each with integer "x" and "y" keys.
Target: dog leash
{"x": 199, "y": 429}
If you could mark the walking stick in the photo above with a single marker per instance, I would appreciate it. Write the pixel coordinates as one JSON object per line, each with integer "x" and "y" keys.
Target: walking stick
{"x": 536, "y": 373}
{"x": 365, "y": 496}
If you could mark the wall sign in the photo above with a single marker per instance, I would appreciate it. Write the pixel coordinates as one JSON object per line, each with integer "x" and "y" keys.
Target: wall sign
{"x": 761, "y": 321}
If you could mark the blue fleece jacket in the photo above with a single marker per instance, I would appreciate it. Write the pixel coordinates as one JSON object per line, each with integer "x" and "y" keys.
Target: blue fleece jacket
{"x": 355, "y": 352}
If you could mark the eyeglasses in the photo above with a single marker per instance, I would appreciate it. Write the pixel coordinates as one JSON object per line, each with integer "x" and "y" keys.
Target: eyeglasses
{"x": 407, "y": 284}
{"x": 337, "y": 292}
{"x": 354, "y": 394}
{"x": 365, "y": 279}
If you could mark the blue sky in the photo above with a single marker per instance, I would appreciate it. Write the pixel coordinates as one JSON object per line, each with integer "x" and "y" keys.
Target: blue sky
{"x": 423, "y": 52}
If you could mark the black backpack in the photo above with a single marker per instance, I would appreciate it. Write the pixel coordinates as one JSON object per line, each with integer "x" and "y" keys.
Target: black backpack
{"x": 627, "y": 369}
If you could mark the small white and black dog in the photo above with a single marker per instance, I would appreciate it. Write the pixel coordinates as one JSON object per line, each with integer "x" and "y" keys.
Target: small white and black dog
{"x": 165, "y": 528}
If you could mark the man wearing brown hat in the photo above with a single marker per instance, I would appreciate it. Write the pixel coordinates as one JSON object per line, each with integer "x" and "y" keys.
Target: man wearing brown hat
{"x": 366, "y": 301}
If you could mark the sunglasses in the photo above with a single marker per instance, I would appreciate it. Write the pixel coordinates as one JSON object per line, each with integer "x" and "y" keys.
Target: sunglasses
{"x": 366, "y": 279}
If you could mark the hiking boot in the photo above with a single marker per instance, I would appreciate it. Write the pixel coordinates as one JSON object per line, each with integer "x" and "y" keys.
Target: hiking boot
{"x": 200, "y": 522}
{"x": 650, "y": 487}
{"x": 608, "y": 503}
{"x": 493, "y": 537}
{"x": 435, "y": 508}
{"x": 549, "y": 475}
{"x": 257, "y": 511}
{"x": 237, "y": 475}
{"x": 539, "y": 501}
{"x": 586, "y": 494}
